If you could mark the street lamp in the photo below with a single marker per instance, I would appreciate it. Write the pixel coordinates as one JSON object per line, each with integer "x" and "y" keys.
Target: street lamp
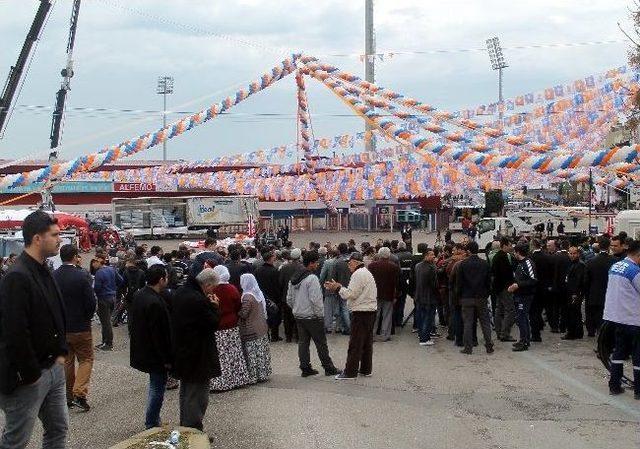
{"x": 497, "y": 63}
{"x": 164, "y": 88}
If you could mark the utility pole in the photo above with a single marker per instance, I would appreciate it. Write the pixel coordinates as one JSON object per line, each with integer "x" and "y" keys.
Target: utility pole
{"x": 165, "y": 87}
{"x": 369, "y": 64}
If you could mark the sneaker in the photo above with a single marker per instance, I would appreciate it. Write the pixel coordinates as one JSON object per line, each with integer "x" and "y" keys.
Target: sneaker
{"x": 343, "y": 376}
{"x": 70, "y": 404}
{"x": 99, "y": 346}
{"x": 82, "y": 403}
{"x": 365, "y": 375}
{"x": 490, "y": 350}
{"x": 465, "y": 351}
{"x": 331, "y": 371}
{"x": 309, "y": 372}
{"x": 106, "y": 347}
{"x": 614, "y": 391}
{"x": 434, "y": 335}
{"x": 427, "y": 343}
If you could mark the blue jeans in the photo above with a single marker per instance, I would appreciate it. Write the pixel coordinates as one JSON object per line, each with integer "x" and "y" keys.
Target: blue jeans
{"x": 426, "y": 315}
{"x": 157, "y": 385}
{"x": 523, "y": 306}
{"x": 46, "y": 399}
{"x": 344, "y": 315}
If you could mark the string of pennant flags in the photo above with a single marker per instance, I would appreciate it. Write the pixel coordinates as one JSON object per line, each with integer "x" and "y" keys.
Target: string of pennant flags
{"x": 427, "y": 150}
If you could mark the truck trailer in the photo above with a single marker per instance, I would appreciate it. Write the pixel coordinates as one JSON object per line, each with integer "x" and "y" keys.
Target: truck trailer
{"x": 185, "y": 216}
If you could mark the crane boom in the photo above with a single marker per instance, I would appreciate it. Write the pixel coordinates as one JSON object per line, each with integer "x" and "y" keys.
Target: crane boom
{"x": 61, "y": 95}
{"x": 16, "y": 71}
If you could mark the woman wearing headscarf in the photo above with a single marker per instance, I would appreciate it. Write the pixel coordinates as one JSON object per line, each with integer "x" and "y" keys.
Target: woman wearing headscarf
{"x": 233, "y": 363}
{"x": 254, "y": 329}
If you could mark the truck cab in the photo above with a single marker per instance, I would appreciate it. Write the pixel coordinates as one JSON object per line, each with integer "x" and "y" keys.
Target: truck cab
{"x": 490, "y": 228}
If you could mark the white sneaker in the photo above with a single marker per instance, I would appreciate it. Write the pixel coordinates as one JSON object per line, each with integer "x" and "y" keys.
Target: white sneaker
{"x": 427, "y": 343}
{"x": 414, "y": 331}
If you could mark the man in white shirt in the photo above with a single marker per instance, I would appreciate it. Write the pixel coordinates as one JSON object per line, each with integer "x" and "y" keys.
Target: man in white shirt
{"x": 156, "y": 256}
{"x": 361, "y": 296}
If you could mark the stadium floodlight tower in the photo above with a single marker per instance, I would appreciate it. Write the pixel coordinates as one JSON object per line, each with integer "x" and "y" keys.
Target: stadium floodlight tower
{"x": 164, "y": 88}
{"x": 497, "y": 63}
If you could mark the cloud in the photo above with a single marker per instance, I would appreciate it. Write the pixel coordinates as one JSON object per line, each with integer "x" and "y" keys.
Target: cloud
{"x": 211, "y": 48}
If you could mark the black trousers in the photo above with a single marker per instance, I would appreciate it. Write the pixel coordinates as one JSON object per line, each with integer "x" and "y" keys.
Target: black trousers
{"x": 312, "y": 329}
{"x": 593, "y": 318}
{"x": 558, "y": 310}
{"x": 473, "y": 308}
{"x": 105, "y": 309}
{"x": 574, "y": 320}
{"x": 535, "y": 316}
{"x": 290, "y": 328}
{"x": 360, "y": 352}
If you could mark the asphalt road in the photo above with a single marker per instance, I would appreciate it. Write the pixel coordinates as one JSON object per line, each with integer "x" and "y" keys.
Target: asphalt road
{"x": 553, "y": 396}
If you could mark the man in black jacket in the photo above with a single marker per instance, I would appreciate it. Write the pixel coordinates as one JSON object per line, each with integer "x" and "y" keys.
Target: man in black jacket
{"x": 80, "y": 304}
{"x": 473, "y": 279}
{"x": 32, "y": 341}
{"x": 559, "y": 306}
{"x": 195, "y": 316}
{"x": 150, "y": 342}
{"x": 268, "y": 279}
{"x": 236, "y": 267}
{"x": 596, "y": 279}
{"x": 287, "y": 271}
{"x": 523, "y": 290}
{"x": 574, "y": 286}
{"x": 542, "y": 263}
{"x": 502, "y": 271}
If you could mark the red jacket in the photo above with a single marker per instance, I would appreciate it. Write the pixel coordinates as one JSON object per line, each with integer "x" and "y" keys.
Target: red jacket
{"x": 230, "y": 304}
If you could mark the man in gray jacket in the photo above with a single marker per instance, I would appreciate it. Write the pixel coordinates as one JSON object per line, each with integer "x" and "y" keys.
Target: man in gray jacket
{"x": 304, "y": 296}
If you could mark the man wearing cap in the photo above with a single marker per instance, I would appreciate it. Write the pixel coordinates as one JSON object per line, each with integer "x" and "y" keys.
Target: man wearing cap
{"x": 287, "y": 272}
{"x": 386, "y": 275}
{"x": 361, "y": 296}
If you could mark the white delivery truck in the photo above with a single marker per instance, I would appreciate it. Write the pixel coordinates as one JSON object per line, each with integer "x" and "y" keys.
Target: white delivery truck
{"x": 629, "y": 222}
{"x": 184, "y": 216}
{"x": 523, "y": 221}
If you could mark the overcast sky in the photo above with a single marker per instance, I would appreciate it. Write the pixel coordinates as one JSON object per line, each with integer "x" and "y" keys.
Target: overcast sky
{"x": 212, "y": 48}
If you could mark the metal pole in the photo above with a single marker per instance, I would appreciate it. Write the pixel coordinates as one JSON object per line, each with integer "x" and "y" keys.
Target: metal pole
{"x": 369, "y": 63}
{"x": 500, "y": 98}
{"x": 590, "y": 196}
{"x": 164, "y": 125}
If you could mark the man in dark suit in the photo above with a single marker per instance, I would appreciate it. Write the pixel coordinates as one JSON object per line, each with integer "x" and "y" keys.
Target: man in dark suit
{"x": 543, "y": 263}
{"x": 150, "y": 342}
{"x": 80, "y": 304}
{"x": 473, "y": 284}
{"x": 596, "y": 278}
{"x": 195, "y": 316}
{"x": 32, "y": 341}
{"x": 560, "y": 307}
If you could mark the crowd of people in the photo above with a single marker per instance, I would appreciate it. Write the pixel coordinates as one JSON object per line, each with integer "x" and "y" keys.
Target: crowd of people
{"x": 203, "y": 322}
